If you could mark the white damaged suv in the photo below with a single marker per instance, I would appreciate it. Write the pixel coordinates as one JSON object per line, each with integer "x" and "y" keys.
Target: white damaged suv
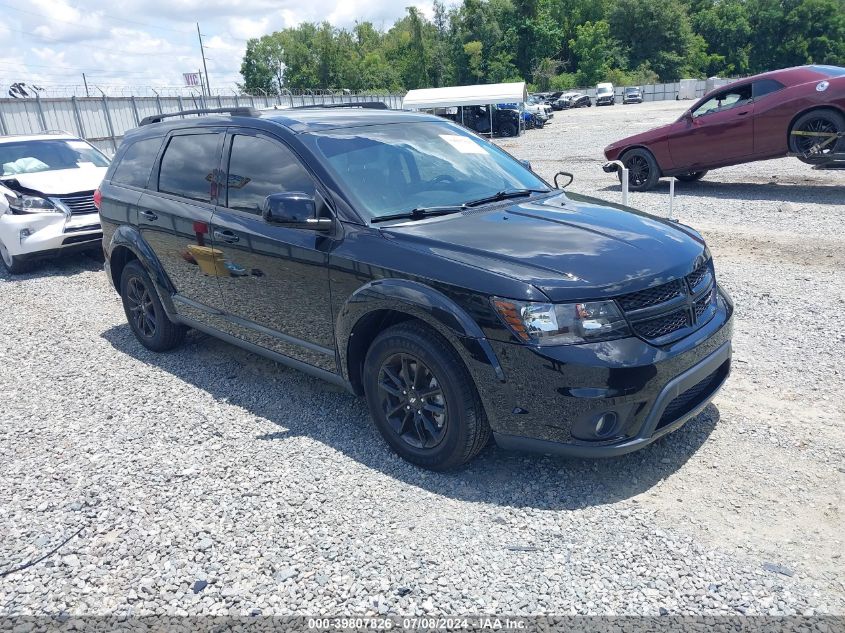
{"x": 47, "y": 185}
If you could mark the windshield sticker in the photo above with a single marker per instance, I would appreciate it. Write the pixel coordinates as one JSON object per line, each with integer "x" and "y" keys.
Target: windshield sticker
{"x": 463, "y": 144}
{"x": 822, "y": 86}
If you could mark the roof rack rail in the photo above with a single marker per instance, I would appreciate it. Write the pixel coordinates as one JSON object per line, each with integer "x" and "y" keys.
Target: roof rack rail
{"x": 372, "y": 105}
{"x": 158, "y": 118}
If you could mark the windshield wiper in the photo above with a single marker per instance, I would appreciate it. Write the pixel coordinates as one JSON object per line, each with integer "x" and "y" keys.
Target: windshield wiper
{"x": 504, "y": 195}
{"x": 420, "y": 212}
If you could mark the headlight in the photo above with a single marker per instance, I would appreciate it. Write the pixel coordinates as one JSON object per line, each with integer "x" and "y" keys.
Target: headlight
{"x": 31, "y": 204}
{"x": 562, "y": 323}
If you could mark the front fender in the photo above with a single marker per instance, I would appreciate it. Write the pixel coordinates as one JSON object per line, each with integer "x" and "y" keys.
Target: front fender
{"x": 428, "y": 305}
{"x": 129, "y": 237}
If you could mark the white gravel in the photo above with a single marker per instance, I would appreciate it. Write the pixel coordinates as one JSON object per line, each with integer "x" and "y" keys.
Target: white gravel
{"x": 210, "y": 481}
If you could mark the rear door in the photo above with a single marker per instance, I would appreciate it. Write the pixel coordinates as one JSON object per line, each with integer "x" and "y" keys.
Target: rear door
{"x": 720, "y": 131}
{"x": 276, "y": 286}
{"x": 174, "y": 220}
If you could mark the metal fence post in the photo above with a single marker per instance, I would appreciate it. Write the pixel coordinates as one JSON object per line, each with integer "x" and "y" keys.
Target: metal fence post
{"x": 41, "y": 112}
{"x": 135, "y": 111}
{"x": 4, "y": 129}
{"x": 79, "y": 127}
{"x": 181, "y": 105}
{"x": 672, "y": 198}
{"x": 109, "y": 122}
{"x": 158, "y": 103}
{"x": 219, "y": 102}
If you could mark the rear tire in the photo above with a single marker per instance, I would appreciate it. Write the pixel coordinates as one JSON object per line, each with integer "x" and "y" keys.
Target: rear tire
{"x": 507, "y": 130}
{"x": 825, "y": 121}
{"x": 13, "y": 265}
{"x": 422, "y": 399}
{"x": 643, "y": 171}
{"x": 146, "y": 316}
{"x": 693, "y": 176}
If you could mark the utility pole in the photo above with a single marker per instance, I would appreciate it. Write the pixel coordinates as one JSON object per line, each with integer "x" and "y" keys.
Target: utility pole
{"x": 85, "y": 81}
{"x": 202, "y": 52}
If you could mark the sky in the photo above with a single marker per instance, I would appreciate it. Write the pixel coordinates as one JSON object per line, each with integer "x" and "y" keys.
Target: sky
{"x": 50, "y": 43}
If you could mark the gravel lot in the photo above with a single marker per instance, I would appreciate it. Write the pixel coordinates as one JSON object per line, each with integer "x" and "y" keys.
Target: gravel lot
{"x": 211, "y": 481}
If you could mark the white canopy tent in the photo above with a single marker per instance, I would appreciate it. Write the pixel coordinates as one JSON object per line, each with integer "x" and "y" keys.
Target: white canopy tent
{"x": 458, "y": 96}
{"x": 482, "y": 94}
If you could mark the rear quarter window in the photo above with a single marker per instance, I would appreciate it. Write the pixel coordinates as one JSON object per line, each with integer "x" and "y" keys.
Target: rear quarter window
{"x": 765, "y": 86}
{"x": 134, "y": 167}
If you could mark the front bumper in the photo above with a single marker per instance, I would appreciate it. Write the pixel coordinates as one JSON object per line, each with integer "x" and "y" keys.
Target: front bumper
{"x": 605, "y": 100}
{"x": 49, "y": 233}
{"x": 551, "y": 395}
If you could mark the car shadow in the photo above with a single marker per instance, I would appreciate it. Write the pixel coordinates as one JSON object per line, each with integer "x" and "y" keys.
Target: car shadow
{"x": 774, "y": 192}
{"x": 509, "y": 479}
{"x": 62, "y": 266}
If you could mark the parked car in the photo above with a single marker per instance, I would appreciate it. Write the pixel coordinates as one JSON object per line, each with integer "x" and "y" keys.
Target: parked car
{"x": 605, "y": 94}
{"x": 798, "y": 110}
{"x": 477, "y": 118}
{"x": 47, "y": 188}
{"x": 573, "y": 100}
{"x": 538, "y": 107}
{"x": 420, "y": 266}
{"x": 632, "y": 94}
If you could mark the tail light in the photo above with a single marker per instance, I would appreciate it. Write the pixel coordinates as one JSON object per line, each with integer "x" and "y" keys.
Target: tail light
{"x": 98, "y": 198}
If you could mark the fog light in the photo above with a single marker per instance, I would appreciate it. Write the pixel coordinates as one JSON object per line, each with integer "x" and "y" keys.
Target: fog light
{"x": 25, "y": 233}
{"x": 606, "y": 425}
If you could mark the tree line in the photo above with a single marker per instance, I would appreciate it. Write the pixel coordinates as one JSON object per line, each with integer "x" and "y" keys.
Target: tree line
{"x": 551, "y": 44}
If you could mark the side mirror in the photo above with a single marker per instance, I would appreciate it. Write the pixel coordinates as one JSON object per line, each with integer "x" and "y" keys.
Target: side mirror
{"x": 687, "y": 116}
{"x": 295, "y": 210}
{"x": 526, "y": 164}
{"x": 565, "y": 174}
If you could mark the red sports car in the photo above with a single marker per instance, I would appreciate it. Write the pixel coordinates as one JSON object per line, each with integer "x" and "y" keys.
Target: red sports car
{"x": 797, "y": 110}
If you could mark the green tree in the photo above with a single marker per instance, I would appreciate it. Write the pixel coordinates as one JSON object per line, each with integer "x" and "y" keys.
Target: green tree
{"x": 726, "y": 29}
{"x": 473, "y": 52}
{"x": 593, "y": 50}
{"x": 657, "y": 32}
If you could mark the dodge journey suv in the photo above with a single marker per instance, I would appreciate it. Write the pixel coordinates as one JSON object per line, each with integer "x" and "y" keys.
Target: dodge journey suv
{"x": 422, "y": 267}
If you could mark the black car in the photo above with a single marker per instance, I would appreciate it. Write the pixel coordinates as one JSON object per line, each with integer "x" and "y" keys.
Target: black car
{"x": 573, "y": 100}
{"x": 632, "y": 95}
{"x": 478, "y": 118}
{"x": 422, "y": 267}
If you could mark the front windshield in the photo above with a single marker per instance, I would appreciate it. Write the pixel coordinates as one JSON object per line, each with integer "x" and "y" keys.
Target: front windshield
{"x": 631, "y": 90}
{"x": 27, "y": 157}
{"x": 396, "y": 168}
{"x": 602, "y": 90}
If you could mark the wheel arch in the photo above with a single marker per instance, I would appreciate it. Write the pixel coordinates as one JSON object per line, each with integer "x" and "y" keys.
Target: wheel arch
{"x": 382, "y": 303}
{"x": 630, "y": 148}
{"x": 127, "y": 244}
{"x": 823, "y": 106}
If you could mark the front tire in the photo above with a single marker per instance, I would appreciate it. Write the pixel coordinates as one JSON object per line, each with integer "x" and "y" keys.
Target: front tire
{"x": 693, "y": 176}
{"x": 146, "y": 316}
{"x": 815, "y": 122}
{"x": 643, "y": 171}
{"x": 422, "y": 399}
{"x": 13, "y": 265}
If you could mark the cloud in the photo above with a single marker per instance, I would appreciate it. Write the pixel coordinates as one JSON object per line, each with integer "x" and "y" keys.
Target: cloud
{"x": 152, "y": 42}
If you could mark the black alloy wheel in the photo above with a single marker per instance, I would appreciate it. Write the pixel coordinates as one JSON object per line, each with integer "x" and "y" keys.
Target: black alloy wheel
{"x": 144, "y": 312}
{"x": 413, "y": 401}
{"x": 816, "y": 128}
{"x": 643, "y": 172}
{"x": 140, "y": 307}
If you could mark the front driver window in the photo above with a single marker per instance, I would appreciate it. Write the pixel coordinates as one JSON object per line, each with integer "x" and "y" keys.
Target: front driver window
{"x": 724, "y": 100}
{"x": 259, "y": 167}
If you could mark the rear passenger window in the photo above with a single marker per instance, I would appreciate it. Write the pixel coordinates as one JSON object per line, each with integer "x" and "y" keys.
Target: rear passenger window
{"x": 137, "y": 162}
{"x": 259, "y": 167}
{"x": 766, "y": 86}
{"x": 188, "y": 164}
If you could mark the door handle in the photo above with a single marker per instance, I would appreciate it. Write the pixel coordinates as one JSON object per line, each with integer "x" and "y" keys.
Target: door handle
{"x": 149, "y": 215}
{"x": 742, "y": 113}
{"x": 225, "y": 236}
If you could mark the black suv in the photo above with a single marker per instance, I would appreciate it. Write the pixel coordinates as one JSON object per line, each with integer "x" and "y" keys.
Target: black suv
{"x": 407, "y": 259}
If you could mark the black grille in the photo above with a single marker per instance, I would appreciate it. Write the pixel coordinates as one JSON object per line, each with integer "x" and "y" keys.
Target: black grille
{"x": 80, "y": 205}
{"x": 658, "y": 312}
{"x": 695, "y": 277}
{"x": 663, "y": 325}
{"x": 650, "y": 296}
{"x": 692, "y": 397}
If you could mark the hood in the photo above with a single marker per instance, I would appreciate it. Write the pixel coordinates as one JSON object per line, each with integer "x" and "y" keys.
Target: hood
{"x": 643, "y": 138}
{"x": 569, "y": 246}
{"x": 57, "y": 182}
